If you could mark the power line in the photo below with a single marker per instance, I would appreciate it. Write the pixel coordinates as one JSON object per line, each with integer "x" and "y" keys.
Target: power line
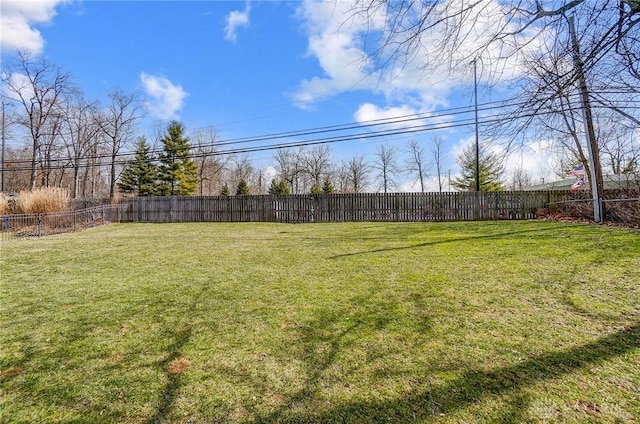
{"x": 416, "y": 129}
{"x": 402, "y": 119}
{"x": 365, "y": 127}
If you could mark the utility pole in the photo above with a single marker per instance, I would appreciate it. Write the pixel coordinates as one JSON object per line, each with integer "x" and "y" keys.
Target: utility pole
{"x": 4, "y": 183}
{"x": 595, "y": 174}
{"x": 475, "y": 98}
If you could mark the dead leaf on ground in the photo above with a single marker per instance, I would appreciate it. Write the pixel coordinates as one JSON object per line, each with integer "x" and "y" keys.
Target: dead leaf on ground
{"x": 11, "y": 371}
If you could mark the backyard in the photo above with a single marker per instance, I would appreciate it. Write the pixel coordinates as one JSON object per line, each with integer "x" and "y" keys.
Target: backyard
{"x": 518, "y": 321}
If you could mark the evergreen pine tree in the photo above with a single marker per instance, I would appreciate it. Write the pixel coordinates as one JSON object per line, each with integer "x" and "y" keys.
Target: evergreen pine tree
{"x": 279, "y": 187}
{"x": 315, "y": 189}
{"x": 225, "y": 190}
{"x": 243, "y": 188}
{"x": 141, "y": 175}
{"x": 327, "y": 187}
{"x": 273, "y": 188}
{"x": 178, "y": 171}
{"x": 491, "y": 170}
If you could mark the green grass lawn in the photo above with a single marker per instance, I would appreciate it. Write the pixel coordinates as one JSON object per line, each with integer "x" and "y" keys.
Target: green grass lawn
{"x": 322, "y": 323}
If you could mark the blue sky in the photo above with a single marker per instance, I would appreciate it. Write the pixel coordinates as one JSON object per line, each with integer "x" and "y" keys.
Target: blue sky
{"x": 246, "y": 69}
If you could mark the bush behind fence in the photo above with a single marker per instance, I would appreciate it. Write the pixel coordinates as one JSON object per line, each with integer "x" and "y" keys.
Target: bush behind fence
{"x": 621, "y": 206}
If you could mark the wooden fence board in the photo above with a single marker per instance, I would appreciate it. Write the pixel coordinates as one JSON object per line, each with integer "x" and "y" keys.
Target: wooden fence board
{"x": 385, "y": 207}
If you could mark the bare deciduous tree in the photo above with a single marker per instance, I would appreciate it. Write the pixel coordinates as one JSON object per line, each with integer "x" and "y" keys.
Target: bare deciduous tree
{"x": 290, "y": 165}
{"x": 17, "y": 174}
{"x": 38, "y": 86}
{"x": 80, "y": 134}
{"x": 93, "y": 179}
{"x": 357, "y": 174}
{"x": 464, "y": 31}
{"x": 210, "y": 164}
{"x": 560, "y": 117}
{"x": 417, "y": 162}
{"x": 620, "y": 153}
{"x": 520, "y": 179}
{"x": 386, "y": 166}
{"x": 317, "y": 163}
{"x": 437, "y": 150}
{"x": 342, "y": 176}
{"x": 241, "y": 168}
{"x": 50, "y": 148}
{"x": 500, "y": 34}
{"x": 117, "y": 122}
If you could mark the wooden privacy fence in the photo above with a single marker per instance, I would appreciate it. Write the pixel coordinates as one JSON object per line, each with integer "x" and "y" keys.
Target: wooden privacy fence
{"x": 510, "y": 205}
{"x": 463, "y": 206}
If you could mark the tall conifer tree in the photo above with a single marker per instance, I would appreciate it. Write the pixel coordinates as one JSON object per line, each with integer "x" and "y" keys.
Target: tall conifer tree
{"x": 315, "y": 189}
{"x": 225, "y": 190}
{"x": 280, "y": 187}
{"x": 178, "y": 171}
{"x": 491, "y": 171}
{"x": 327, "y": 187}
{"x": 243, "y": 188}
{"x": 141, "y": 175}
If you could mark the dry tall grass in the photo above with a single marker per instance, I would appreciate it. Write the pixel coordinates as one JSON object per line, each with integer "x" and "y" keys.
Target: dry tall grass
{"x": 4, "y": 205}
{"x": 43, "y": 200}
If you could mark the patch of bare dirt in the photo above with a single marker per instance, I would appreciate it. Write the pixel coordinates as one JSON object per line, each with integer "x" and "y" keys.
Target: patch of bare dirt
{"x": 178, "y": 365}
{"x": 115, "y": 358}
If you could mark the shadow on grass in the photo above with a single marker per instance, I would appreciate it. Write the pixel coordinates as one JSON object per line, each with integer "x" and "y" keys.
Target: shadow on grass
{"x": 174, "y": 364}
{"x": 321, "y": 343}
{"x": 468, "y": 389}
{"x": 174, "y": 378}
{"x": 447, "y": 240}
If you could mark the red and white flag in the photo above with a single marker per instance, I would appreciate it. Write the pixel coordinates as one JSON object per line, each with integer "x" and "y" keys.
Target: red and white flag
{"x": 578, "y": 171}
{"x": 578, "y": 184}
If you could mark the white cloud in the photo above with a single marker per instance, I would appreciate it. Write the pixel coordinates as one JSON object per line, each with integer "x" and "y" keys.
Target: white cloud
{"x": 269, "y": 173}
{"x": 17, "y": 19}
{"x": 235, "y": 20}
{"x": 21, "y": 83}
{"x": 335, "y": 40}
{"x": 343, "y": 40}
{"x": 401, "y": 117}
{"x": 166, "y": 98}
{"x": 537, "y": 158}
{"x": 370, "y": 112}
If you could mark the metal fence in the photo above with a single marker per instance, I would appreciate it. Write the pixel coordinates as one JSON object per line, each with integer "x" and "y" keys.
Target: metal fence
{"x": 622, "y": 206}
{"x": 38, "y": 225}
